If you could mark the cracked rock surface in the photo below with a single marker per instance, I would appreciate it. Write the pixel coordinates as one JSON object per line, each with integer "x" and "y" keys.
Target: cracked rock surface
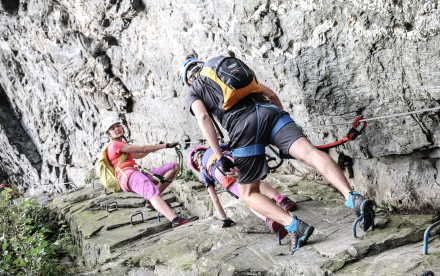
{"x": 65, "y": 65}
{"x": 248, "y": 248}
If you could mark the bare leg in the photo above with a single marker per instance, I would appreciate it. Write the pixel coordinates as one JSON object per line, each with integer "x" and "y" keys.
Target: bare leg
{"x": 267, "y": 189}
{"x": 250, "y": 194}
{"x": 217, "y": 205}
{"x": 162, "y": 207}
{"x": 169, "y": 175}
{"x": 305, "y": 152}
{"x": 257, "y": 214}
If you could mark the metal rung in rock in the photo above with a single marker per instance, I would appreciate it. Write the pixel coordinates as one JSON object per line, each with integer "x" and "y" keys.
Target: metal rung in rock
{"x": 137, "y": 221}
{"x": 425, "y": 238}
{"x": 361, "y": 217}
{"x": 108, "y": 205}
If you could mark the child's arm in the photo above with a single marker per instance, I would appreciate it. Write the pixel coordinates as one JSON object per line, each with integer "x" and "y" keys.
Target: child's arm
{"x": 217, "y": 205}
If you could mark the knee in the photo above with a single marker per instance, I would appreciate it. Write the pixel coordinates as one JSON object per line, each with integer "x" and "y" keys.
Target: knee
{"x": 304, "y": 154}
{"x": 245, "y": 195}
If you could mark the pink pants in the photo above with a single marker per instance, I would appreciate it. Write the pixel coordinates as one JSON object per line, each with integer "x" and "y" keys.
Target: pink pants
{"x": 233, "y": 187}
{"x": 143, "y": 184}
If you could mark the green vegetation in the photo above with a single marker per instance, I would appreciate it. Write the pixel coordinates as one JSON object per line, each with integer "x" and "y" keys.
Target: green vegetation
{"x": 187, "y": 175}
{"x": 385, "y": 208}
{"x": 29, "y": 243}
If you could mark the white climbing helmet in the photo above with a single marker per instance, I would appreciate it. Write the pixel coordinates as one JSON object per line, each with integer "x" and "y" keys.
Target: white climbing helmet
{"x": 108, "y": 122}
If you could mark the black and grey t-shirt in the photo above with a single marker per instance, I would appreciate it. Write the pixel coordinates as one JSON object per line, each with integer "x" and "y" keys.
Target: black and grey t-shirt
{"x": 201, "y": 91}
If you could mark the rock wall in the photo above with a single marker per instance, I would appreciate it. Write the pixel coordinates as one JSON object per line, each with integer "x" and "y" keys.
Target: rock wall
{"x": 64, "y": 65}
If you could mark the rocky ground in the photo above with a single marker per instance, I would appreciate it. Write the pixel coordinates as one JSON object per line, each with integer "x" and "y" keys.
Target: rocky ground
{"x": 112, "y": 245}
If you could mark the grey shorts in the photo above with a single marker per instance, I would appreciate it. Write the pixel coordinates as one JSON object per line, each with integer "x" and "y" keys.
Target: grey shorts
{"x": 244, "y": 133}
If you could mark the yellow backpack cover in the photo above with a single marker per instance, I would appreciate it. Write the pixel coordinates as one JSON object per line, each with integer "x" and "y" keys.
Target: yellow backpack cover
{"x": 106, "y": 172}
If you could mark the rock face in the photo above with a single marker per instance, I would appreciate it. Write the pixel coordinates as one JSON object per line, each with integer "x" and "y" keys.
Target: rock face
{"x": 65, "y": 65}
{"x": 111, "y": 245}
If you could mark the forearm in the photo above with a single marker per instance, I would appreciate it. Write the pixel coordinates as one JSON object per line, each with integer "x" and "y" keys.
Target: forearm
{"x": 217, "y": 205}
{"x": 206, "y": 126}
{"x": 139, "y": 155}
{"x": 210, "y": 134}
{"x": 141, "y": 151}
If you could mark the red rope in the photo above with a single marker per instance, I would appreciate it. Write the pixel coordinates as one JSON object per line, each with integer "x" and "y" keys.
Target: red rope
{"x": 351, "y": 135}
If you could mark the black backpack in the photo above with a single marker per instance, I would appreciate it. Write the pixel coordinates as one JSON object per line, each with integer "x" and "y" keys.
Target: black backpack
{"x": 231, "y": 78}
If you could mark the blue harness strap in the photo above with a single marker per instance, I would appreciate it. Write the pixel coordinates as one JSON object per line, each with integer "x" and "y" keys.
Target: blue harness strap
{"x": 258, "y": 149}
{"x": 281, "y": 121}
{"x": 252, "y": 150}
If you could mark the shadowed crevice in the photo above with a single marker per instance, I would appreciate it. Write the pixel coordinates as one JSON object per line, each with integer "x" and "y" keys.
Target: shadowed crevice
{"x": 11, "y": 6}
{"x": 16, "y": 134}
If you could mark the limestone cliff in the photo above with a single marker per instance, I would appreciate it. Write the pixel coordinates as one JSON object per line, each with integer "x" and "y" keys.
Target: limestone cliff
{"x": 64, "y": 65}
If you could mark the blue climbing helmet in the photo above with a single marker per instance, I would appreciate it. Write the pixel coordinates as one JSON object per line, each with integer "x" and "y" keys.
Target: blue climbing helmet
{"x": 189, "y": 68}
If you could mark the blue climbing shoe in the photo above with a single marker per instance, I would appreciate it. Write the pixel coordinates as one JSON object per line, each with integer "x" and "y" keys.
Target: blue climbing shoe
{"x": 277, "y": 228}
{"x": 363, "y": 209}
{"x": 299, "y": 233}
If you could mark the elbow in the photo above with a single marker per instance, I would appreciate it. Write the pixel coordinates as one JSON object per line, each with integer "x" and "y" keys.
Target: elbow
{"x": 203, "y": 116}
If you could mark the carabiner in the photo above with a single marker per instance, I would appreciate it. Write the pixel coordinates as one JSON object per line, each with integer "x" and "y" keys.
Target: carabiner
{"x": 354, "y": 131}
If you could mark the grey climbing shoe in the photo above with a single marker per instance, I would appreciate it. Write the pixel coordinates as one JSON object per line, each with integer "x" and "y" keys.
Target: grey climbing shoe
{"x": 299, "y": 233}
{"x": 363, "y": 209}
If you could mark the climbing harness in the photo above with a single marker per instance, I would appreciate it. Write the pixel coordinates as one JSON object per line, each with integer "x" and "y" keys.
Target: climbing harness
{"x": 259, "y": 148}
{"x": 425, "y": 238}
{"x": 283, "y": 119}
{"x": 274, "y": 156}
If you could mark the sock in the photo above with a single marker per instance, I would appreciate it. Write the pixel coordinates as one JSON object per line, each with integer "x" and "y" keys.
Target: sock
{"x": 278, "y": 198}
{"x": 291, "y": 227}
{"x": 349, "y": 202}
{"x": 175, "y": 219}
{"x": 264, "y": 218}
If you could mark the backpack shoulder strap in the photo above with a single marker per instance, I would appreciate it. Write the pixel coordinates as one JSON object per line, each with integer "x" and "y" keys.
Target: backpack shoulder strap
{"x": 121, "y": 158}
{"x": 220, "y": 133}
